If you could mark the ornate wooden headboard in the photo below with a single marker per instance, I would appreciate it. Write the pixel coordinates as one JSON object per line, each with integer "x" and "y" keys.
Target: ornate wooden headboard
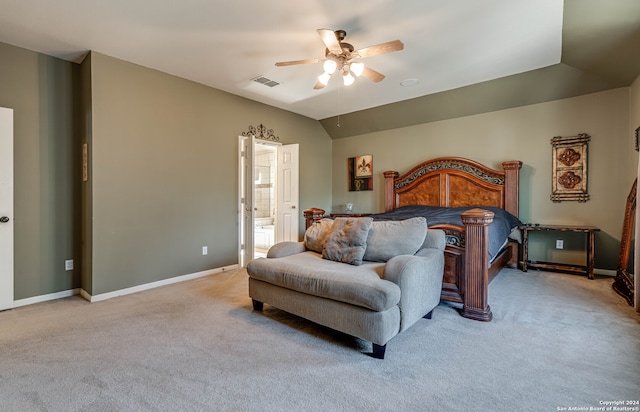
{"x": 454, "y": 182}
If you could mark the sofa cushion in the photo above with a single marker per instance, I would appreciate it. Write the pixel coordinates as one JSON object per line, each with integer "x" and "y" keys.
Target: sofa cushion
{"x": 389, "y": 238}
{"x": 309, "y": 273}
{"x": 316, "y": 235}
{"x": 347, "y": 240}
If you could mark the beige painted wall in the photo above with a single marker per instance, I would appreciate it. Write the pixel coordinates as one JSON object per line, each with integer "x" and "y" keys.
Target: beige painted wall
{"x": 42, "y": 91}
{"x": 164, "y": 172}
{"x": 524, "y": 134}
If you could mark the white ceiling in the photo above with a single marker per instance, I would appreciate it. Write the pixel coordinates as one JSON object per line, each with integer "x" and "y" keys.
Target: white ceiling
{"x": 448, "y": 43}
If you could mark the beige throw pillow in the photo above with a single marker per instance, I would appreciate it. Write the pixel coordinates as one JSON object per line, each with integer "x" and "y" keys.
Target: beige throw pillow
{"x": 347, "y": 240}
{"x": 316, "y": 234}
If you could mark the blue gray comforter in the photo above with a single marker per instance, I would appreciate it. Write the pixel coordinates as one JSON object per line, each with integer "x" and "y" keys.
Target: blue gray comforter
{"x": 499, "y": 230}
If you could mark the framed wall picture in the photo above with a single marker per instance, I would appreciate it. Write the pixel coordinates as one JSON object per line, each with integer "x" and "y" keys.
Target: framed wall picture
{"x": 569, "y": 163}
{"x": 360, "y": 173}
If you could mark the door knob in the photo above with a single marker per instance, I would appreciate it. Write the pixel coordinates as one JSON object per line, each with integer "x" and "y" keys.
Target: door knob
{"x": 248, "y": 209}
{"x": 4, "y": 219}
{"x": 293, "y": 206}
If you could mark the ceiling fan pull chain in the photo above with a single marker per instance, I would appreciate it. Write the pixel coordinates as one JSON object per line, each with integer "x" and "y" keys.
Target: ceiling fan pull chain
{"x": 339, "y": 104}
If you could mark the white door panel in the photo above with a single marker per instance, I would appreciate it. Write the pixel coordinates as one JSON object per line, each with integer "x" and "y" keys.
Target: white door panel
{"x": 6, "y": 208}
{"x": 287, "y": 211}
{"x": 246, "y": 205}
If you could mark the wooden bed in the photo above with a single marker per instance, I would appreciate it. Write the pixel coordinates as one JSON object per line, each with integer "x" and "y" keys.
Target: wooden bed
{"x": 458, "y": 182}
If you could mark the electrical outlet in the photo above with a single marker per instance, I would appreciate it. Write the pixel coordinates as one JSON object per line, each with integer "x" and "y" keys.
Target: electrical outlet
{"x": 68, "y": 264}
{"x": 559, "y": 244}
{"x": 205, "y": 250}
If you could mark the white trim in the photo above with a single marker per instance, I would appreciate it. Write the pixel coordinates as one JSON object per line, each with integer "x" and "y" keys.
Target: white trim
{"x": 152, "y": 285}
{"x": 604, "y": 272}
{"x": 45, "y": 298}
{"x": 121, "y": 292}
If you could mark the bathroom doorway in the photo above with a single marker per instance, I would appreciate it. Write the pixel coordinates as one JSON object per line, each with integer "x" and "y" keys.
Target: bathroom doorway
{"x": 268, "y": 186}
{"x": 264, "y": 198}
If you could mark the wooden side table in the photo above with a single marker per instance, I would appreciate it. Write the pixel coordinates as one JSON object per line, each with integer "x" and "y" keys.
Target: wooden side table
{"x": 562, "y": 267}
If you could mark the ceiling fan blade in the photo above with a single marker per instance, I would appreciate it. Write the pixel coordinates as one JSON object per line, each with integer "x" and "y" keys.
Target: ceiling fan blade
{"x": 318, "y": 85}
{"x": 382, "y": 48}
{"x": 372, "y": 75}
{"x": 293, "y": 62}
{"x": 330, "y": 40}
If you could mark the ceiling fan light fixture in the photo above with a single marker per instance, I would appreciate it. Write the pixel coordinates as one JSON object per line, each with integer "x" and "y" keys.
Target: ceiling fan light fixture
{"x": 356, "y": 68}
{"x": 324, "y": 78}
{"x": 330, "y": 66}
{"x": 348, "y": 79}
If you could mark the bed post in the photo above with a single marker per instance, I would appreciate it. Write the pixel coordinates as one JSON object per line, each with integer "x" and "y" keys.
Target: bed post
{"x": 511, "y": 183}
{"x": 389, "y": 193}
{"x": 476, "y": 278}
{"x": 312, "y": 215}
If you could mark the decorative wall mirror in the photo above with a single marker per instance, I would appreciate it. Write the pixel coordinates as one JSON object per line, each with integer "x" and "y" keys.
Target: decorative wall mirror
{"x": 624, "y": 282}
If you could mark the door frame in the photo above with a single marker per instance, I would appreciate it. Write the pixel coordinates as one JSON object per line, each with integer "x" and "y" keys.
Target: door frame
{"x": 246, "y": 203}
{"x": 246, "y": 188}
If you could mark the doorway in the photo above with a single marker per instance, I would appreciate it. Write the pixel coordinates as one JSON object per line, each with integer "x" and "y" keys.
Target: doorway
{"x": 268, "y": 187}
{"x": 6, "y": 208}
{"x": 264, "y": 197}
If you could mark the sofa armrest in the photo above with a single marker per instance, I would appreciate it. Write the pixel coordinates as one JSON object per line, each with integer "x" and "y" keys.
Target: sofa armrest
{"x": 435, "y": 239}
{"x": 283, "y": 249}
{"x": 420, "y": 282}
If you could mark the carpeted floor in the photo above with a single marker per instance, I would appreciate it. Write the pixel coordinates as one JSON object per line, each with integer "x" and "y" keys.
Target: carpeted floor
{"x": 556, "y": 341}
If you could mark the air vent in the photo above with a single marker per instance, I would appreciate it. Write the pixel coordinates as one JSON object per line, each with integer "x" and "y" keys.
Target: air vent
{"x": 265, "y": 81}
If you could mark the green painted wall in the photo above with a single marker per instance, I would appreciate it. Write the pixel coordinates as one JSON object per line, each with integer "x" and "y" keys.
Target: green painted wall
{"x": 43, "y": 91}
{"x": 164, "y": 172}
{"x": 163, "y": 161}
{"x": 524, "y": 134}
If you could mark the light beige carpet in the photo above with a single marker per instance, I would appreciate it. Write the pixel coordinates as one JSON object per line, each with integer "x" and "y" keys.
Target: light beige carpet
{"x": 556, "y": 341}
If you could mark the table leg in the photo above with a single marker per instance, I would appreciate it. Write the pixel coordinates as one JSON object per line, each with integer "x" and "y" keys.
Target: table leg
{"x": 590, "y": 254}
{"x": 525, "y": 249}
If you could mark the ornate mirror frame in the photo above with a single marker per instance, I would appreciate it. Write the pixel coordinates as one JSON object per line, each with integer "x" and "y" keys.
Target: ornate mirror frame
{"x": 624, "y": 281}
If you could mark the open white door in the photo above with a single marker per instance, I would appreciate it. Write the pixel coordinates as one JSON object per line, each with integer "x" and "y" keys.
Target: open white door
{"x": 287, "y": 213}
{"x": 246, "y": 205}
{"x": 6, "y": 208}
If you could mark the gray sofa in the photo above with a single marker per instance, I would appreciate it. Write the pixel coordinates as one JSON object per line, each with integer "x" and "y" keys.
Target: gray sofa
{"x": 367, "y": 279}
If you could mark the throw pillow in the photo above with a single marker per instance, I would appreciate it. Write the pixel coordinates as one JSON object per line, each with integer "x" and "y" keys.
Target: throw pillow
{"x": 347, "y": 240}
{"x": 316, "y": 234}
{"x": 389, "y": 238}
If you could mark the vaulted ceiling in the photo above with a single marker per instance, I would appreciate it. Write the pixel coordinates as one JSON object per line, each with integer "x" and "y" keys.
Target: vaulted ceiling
{"x": 460, "y": 57}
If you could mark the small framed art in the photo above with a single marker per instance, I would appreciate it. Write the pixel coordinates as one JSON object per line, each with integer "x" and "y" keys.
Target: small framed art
{"x": 360, "y": 173}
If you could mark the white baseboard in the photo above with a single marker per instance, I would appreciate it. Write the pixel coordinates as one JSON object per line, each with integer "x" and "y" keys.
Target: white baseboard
{"x": 121, "y": 292}
{"x": 604, "y": 272}
{"x": 45, "y": 298}
{"x": 152, "y": 285}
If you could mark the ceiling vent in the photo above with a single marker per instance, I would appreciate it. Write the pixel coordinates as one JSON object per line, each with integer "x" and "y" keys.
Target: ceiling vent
{"x": 265, "y": 81}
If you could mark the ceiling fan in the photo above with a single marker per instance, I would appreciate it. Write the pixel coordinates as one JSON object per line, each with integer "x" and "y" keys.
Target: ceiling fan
{"x": 339, "y": 56}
